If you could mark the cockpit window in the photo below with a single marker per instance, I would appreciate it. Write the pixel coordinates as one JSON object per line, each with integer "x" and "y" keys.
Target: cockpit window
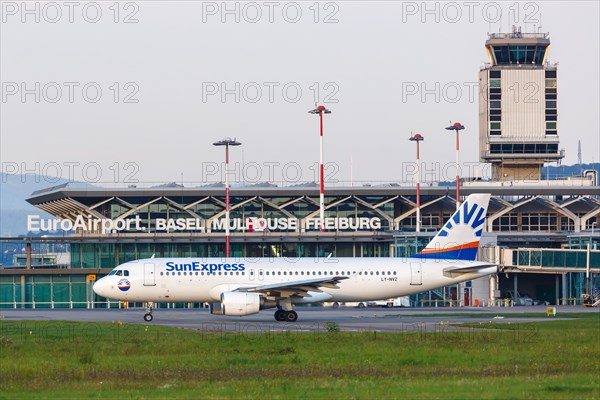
{"x": 119, "y": 273}
{"x": 125, "y": 272}
{"x": 112, "y": 272}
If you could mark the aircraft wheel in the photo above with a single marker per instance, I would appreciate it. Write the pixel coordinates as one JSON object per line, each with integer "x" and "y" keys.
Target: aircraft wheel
{"x": 291, "y": 316}
{"x": 279, "y": 315}
{"x": 389, "y": 305}
{"x": 361, "y": 305}
{"x": 336, "y": 305}
{"x": 148, "y": 317}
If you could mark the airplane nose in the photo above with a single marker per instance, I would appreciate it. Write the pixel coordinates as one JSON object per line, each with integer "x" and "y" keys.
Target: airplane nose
{"x": 100, "y": 287}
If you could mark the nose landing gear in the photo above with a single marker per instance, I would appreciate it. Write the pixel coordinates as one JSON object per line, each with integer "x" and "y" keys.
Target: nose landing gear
{"x": 148, "y": 316}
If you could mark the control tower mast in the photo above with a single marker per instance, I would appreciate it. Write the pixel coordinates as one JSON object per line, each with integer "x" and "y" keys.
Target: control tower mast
{"x": 518, "y": 129}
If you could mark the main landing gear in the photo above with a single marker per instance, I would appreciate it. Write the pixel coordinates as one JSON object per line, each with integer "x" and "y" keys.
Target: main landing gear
{"x": 284, "y": 311}
{"x": 283, "y": 315}
{"x": 148, "y": 316}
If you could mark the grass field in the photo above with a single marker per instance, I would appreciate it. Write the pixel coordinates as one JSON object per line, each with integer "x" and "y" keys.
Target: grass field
{"x": 548, "y": 360}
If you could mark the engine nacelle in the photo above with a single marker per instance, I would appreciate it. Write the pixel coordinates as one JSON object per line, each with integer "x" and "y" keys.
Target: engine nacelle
{"x": 240, "y": 303}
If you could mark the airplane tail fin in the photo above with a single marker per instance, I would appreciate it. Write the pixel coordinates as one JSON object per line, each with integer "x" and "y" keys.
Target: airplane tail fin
{"x": 459, "y": 238}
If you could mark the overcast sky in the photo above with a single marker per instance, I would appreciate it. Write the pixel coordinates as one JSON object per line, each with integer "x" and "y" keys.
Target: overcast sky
{"x": 162, "y": 69}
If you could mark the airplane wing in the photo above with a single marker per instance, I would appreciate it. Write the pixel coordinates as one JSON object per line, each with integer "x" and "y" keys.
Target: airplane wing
{"x": 467, "y": 269}
{"x": 295, "y": 288}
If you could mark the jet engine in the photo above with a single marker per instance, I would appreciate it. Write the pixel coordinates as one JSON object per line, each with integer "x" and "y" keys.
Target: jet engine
{"x": 237, "y": 304}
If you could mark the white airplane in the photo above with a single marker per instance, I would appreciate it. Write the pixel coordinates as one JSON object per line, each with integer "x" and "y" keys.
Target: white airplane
{"x": 239, "y": 287}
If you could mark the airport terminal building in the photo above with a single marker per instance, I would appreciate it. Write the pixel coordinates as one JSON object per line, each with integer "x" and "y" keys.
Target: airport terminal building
{"x": 543, "y": 235}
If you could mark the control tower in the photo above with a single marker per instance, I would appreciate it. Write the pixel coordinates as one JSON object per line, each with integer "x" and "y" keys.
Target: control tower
{"x": 518, "y": 129}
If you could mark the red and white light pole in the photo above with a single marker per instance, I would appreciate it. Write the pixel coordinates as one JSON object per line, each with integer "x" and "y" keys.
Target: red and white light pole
{"x": 457, "y": 126}
{"x": 227, "y": 142}
{"x": 418, "y": 138}
{"x": 321, "y": 110}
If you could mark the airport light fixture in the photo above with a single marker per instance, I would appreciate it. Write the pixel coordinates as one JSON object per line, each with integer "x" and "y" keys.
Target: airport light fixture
{"x": 418, "y": 138}
{"x": 227, "y": 142}
{"x": 321, "y": 110}
{"x": 457, "y": 126}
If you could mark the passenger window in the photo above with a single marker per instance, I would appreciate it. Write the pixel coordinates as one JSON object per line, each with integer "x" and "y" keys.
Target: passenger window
{"x": 161, "y": 274}
{"x": 394, "y": 272}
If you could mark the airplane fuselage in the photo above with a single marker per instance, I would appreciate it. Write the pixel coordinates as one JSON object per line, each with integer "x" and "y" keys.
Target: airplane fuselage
{"x": 203, "y": 280}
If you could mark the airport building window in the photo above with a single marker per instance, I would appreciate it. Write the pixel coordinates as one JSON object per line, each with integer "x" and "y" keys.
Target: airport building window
{"x": 508, "y": 55}
{"x": 524, "y": 148}
{"x": 539, "y": 222}
{"x": 507, "y": 222}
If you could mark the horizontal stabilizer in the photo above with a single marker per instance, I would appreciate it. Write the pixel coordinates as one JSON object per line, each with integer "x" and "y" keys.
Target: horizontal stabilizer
{"x": 468, "y": 269}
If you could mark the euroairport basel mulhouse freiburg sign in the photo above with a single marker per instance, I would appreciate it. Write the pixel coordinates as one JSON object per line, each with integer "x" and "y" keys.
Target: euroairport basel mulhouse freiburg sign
{"x": 89, "y": 224}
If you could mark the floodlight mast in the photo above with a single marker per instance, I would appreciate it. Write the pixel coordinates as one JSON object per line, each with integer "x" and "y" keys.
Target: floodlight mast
{"x": 321, "y": 110}
{"x": 457, "y": 126}
{"x": 227, "y": 142}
